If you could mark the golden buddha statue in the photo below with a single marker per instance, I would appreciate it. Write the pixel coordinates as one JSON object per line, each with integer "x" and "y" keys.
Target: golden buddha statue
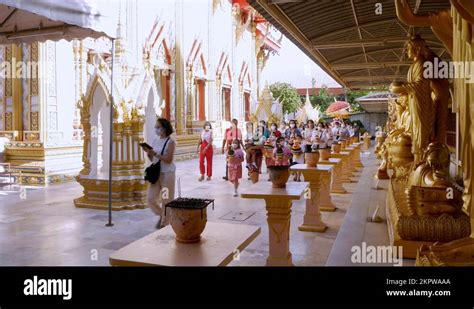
{"x": 403, "y": 114}
{"x": 400, "y": 122}
{"x": 422, "y": 107}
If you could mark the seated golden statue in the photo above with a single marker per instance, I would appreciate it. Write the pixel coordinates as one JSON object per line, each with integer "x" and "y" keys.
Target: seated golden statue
{"x": 400, "y": 155}
{"x": 399, "y": 122}
{"x": 429, "y": 188}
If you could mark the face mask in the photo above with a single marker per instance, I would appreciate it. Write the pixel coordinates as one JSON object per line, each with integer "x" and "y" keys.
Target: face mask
{"x": 235, "y": 146}
{"x": 274, "y": 128}
{"x": 234, "y": 125}
{"x": 158, "y": 131}
{"x": 208, "y": 127}
{"x": 292, "y": 125}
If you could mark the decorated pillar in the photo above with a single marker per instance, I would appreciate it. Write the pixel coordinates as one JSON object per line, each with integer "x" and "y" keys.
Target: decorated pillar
{"x": 189, "y": 100}
{"x": 15, "y": 93}
{"x": 180, "y": 71}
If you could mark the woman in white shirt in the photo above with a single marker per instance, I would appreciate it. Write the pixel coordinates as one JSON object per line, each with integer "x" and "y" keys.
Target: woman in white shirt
{"x": 308, "y": 133}
{"x": 205, "y": 151}
{"x": 328, "y": 137}
{"x": 162, "y": 192}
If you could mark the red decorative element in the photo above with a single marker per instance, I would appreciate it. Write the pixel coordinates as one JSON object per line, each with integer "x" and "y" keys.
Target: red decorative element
{"x": 258, "y": 19}
{"x": 244, "y": 5}
{"x": 337, "y": 106}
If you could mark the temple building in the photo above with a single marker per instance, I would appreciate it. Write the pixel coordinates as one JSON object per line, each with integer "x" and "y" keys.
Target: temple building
{"x": 167, "y": 63}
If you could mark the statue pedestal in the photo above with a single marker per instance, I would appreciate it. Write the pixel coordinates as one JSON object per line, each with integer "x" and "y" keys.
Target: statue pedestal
{"x": 352, "y": 156}
{"x": 412, "y": 231}
{"x": 336, "y": 186}
{"x": 278, "y": 202}
{"x": 312, "y": 219}
{"x": 346, "y": 165}
{"x": 321, "y": 177}
{"x": 356, "y": 157}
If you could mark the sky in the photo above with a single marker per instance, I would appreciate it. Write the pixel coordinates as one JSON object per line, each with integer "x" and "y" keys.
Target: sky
{"x": 295, "y": 67}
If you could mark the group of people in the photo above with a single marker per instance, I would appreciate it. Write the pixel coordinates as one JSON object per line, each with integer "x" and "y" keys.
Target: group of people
{"x": 249, "y": 148}
{"x": 238, "y": 149}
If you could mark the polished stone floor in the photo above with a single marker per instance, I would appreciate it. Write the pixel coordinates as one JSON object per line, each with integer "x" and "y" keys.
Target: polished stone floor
{"x": 41, "y": 226}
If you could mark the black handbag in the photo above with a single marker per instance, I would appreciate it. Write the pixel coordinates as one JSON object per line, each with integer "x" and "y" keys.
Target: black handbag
{"x": 152, "y": 172}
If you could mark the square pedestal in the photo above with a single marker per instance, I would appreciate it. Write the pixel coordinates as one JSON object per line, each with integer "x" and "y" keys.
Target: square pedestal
{"x": 219, "y": 243}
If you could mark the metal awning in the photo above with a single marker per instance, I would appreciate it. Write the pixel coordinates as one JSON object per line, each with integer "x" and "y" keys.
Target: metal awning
{"x": 27, "y": 21}
{"x": 357, "y": 47}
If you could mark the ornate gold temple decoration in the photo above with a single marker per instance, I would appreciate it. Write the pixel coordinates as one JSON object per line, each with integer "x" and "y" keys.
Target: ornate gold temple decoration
{"x": 424, "y": 205}
{"x": 34, "y": 55}
{"x": 410, "y": 230}
{"x": 428, "y": 184}
{"x": 394, "y": 126}
{"x": 129, "y": 187}
{"x": 8, "y": 121}
{"x": 459, "y": 252}
{"x": 243, "y": 20}
{"x": 34, "y": 121}
{"x": 380, "y": 140}
{"x": 216, "y": 4}
{"x": 8, "y": 79}
{"x": 268, "y": 108}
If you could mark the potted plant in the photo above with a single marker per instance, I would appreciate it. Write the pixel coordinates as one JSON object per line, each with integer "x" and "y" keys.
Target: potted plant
{"x": 311, "y": 155}
{"x": 268, "y": 149}
{"x": 188, "y": 218}
{"x": 279, "y": 172}
{"x": 230, "y": 153}
{"x": 336, "y": 147}
{"x": 296, "y": 149}
{"x": 253, "y": 173}
{"x": 343, "y": 143}
{"x": 325, "y": 153}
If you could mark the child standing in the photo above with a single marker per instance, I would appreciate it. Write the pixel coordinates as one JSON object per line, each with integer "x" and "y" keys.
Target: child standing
{"x": 298, "y": 155}
{"x": 235, "y": 157}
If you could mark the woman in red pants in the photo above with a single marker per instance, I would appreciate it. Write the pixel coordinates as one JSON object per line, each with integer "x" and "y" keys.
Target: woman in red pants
{"x": 205, "y": 151}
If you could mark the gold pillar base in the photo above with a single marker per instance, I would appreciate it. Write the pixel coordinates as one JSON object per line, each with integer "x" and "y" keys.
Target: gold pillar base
{"x": 126, "y": 194}
{"x": 85, "y": 202}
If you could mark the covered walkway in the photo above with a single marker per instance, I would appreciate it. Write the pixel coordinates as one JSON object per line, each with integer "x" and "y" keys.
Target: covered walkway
{"x": 44, "y": 228}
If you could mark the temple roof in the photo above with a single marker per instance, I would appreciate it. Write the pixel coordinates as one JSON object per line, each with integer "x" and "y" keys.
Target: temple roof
{"x": 349, "y": 40}
{"x": 375, "y": 102}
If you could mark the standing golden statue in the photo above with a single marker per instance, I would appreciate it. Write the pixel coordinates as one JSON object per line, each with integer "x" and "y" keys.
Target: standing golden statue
{"x": 422, "y": 107}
